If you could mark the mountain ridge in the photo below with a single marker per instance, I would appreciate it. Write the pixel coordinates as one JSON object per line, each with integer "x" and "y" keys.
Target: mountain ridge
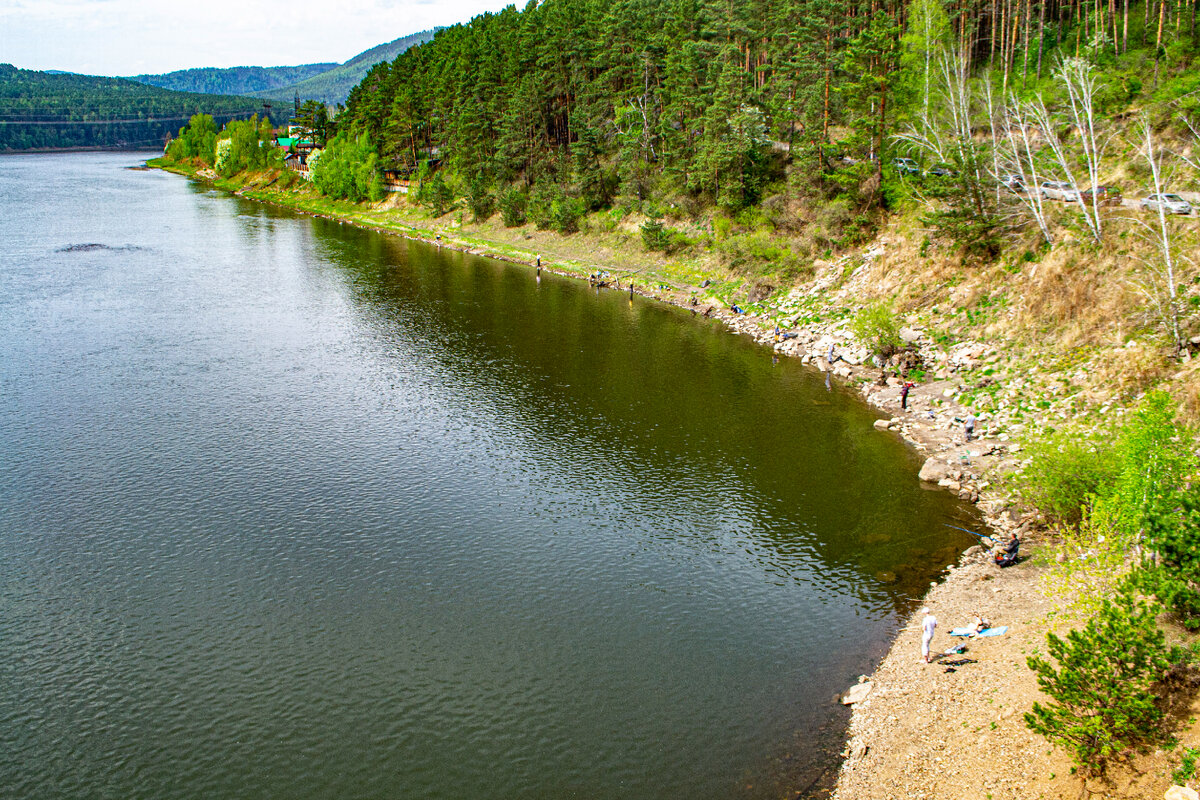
{"x": 242, "y": 80}
{"x": 333, "y": 86}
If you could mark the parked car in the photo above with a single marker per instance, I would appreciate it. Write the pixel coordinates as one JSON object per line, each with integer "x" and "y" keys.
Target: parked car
{"x": 1105, "y": 195}
{"x": 1170, "y": 203}
{"x": 1059, "y": 190}
{"x": 1014, "y": 182}
{"x": 906, "y": 166}
{"x": 941, "y": 171}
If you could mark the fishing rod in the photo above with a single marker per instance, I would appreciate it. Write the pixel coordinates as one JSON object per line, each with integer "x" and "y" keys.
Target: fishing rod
{"x": 973, "y": 533}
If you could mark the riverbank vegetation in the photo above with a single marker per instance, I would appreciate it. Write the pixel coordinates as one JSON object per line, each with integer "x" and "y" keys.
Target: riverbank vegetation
{"x": 1128, "y": 550}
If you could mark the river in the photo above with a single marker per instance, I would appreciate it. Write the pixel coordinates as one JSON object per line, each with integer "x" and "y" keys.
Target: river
{"x": 293, "y": 509}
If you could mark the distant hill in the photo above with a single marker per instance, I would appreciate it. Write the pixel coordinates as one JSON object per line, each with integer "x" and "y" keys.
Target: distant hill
{"x": 45, "y": 111}
{"x": 233, "y": 80}
{"x": 334, "y": 86}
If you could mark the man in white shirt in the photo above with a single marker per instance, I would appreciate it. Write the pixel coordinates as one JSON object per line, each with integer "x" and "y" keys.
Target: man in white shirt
{"x": 928, "y": 626}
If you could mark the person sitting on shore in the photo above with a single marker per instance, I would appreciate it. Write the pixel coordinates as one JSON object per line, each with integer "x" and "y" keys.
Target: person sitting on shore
{"x": 1008, "y": 556}
{"x": 978, "y": 623}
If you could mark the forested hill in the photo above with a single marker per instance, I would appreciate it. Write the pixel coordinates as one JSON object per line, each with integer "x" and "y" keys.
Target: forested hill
{"x": 333, "y": 86}
{"x": 40, "y": 110}
{"x": 721, "y": 102}
{"x": 233, "y": 80}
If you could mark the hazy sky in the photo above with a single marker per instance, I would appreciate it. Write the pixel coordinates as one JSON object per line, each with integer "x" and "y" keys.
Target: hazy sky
{"x": 128, "y": 37}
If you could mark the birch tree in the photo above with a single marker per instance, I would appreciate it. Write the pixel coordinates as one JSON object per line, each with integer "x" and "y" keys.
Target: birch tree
{"x": 925, "y": 37}
{"x": 1157, "y": 283}
{"x": 972, "y": 217}
{"x": 1022, "y": 122}
{"x": 1079, "y": 81}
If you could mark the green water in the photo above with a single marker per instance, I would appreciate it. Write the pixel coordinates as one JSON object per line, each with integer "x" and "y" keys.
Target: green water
{"x": 291, "y": 509}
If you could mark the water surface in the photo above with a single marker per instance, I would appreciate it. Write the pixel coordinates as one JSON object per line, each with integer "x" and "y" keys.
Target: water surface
{"x": 290, "y": 509}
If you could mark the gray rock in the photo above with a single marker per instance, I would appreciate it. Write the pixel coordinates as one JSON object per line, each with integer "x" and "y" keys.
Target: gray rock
{"x": 934, "y": 470}
{"x": 857, "y": 693}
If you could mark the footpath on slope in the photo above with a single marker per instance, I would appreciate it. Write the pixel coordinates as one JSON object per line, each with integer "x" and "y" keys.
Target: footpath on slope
{"x": 952, "y": 729}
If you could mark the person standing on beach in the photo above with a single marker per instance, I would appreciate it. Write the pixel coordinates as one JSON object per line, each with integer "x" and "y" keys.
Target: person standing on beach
{"x": 928, "y": 626}
{"x": 969, "y": 426}
{"x": 904, "y": 395}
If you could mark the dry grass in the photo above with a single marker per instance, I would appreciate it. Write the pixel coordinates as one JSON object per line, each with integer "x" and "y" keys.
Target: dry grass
{"x": 1132, "y": 370}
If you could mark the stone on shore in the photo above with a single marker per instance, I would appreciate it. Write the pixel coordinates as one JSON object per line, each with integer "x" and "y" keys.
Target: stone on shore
{"x": 934, "y": 470}
{"x": 857, "y": 693}
{"x": 1181, "y": 793}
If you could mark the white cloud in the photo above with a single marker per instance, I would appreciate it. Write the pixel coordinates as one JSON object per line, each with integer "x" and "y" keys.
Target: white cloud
{"x": 126, "y": 37}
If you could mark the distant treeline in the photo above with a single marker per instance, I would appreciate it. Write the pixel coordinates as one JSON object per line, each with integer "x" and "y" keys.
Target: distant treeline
{"x": 233, "y": 80}
{"x": 40, "y": 110}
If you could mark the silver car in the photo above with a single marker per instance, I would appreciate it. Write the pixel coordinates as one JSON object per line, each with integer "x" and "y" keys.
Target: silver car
{"x": 1014, "y": 182}
{"x": 1170, "y": 203}
{"x": 1059, "y": 190}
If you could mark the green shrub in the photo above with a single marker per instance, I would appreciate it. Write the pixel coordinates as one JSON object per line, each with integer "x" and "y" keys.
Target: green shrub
{"x": 876, "y": 326}
{"x": 437, "y": 195}
{"x": 346, "y": 168}
{"x": 1187, "y": 766}
{"x": 196, "y": 140}
{"x": 1066, "y": 473}
{"x": 1155, "y": 464}
{"x": 565, "y": 214}
{"x": 541, "y": 206}
{"x": 512, "y": 207}
{"x": 480, "y": 199}
{"x": 722, "y": 226}
{"x": 376, "y": 191}
{"x": 655, "y": 236}
{"x": 1102, "y": 704}
{"x": 1175, "y": 574}
{"x": 245, "y": 145}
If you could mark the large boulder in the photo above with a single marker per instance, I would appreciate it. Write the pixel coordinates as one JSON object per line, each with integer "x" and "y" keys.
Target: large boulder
{"x": 934, "y": 470}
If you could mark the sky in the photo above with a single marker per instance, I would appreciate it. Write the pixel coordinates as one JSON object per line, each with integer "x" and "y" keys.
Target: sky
{"x": 130, "y": 37}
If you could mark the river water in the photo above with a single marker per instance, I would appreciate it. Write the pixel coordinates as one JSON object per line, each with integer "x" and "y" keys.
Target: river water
{"x": 291, "y": 509}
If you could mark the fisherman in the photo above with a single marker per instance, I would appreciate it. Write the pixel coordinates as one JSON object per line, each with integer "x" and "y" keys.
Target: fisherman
{"x": 1008, "y": 556}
